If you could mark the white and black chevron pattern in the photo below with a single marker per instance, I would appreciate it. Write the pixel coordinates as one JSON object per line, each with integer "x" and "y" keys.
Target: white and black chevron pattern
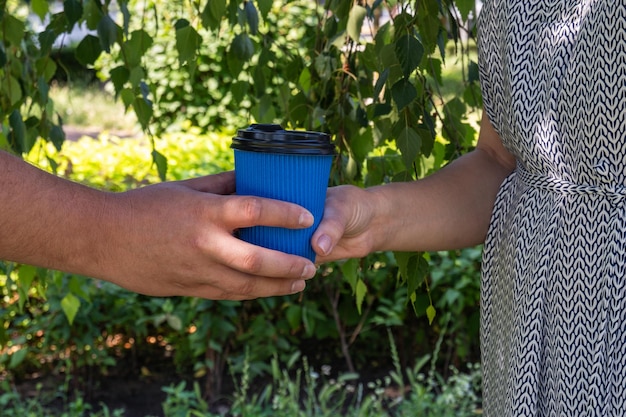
{"x": 553, "y": 327}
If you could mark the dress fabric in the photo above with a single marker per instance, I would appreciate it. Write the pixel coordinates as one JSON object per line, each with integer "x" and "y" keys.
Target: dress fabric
{"x": 553, "y": 314}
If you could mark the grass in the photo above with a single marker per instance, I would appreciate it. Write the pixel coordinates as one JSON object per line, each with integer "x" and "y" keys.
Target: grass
{"x": 295, "y": 392}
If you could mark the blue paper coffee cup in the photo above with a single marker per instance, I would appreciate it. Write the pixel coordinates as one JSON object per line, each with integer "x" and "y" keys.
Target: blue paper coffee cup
{"x": 287, "y": 165}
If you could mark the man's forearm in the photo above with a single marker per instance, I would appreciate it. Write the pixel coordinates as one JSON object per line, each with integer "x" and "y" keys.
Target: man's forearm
{"x": 44, "y": 218}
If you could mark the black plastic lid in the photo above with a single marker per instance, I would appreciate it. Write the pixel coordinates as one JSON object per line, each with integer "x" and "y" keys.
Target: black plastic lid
{"x": 271, "y": 138}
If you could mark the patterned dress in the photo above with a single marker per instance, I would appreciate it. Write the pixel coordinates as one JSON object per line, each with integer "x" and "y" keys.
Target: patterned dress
{"x": 554, "y": 264}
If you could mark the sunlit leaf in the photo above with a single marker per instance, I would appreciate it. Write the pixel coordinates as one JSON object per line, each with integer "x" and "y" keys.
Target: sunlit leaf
{"x": 128, "y": 97}
{"x": 349, "y": 270}
{"x": 361, "y": 292}
{"x": 26, "y": 275}
{"x": 465, "y": 7}
{"x": 40, "y": 7}
{"x": 12, "y": 29}
{"x": 70, "y": 305}
{"x": 18, "y": 357}
{"x": 137, "y": 45}
{"x": 431, "y": 313}
{"x": 174, "y": 322}
{"x": 355, "y": 22}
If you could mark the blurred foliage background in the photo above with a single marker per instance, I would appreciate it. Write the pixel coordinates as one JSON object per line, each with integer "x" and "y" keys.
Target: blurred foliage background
{"x": 160, "y": 87}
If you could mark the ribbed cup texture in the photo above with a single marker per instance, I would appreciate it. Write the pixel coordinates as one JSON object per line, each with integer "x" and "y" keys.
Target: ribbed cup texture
{"x": 300, "y": 179}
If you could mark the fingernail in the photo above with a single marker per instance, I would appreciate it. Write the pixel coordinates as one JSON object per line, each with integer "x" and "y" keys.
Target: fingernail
{"x": 324, "y": 243}
{"x": 306, "y": 219}
{"x": 298, "y": 286}
{"x": 309, "y": 271}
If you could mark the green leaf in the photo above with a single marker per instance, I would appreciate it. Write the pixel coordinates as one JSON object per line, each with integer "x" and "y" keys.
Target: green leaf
{"x": 304, "y": 80}
{"x": 92, "y": 14}
{"x": 433, "y": 68}
{"x": 431, "y": 313}
{"x": 349, "y": 270}
{"x": 125, "y": 14}
{"x": 40, "y": 7}
{"x": 128, "y": 97}
{"x": 88, "y": 50}
{"x": 265, "y": 6}
{"x": 143, "y": 110}
{"x": 355, "y": 22}
{"x": 46, "y": 67}
{"x": 409, "y": 143}
{"x": 26, "y": 276}
{"x": 380, "y": 82}
{"x": 57, "y": 136}
{"x": 17, "y": 135}
{"x": 17, "y": 358}
{"x": 473, "y": 74}
{"x": 187, "y": 42}
{"x": 409, "y": 51}
{"x": 136, "y": 76}
{"x": 79, "y": 287}
{"x": 107, "y": 32}
{"x": 58, "y": 24}
{"x": 473, "y": 95}
{"x": 70, "y": 305}
{"x": 412, "y": 268}
{"x": 239, "y": 89}
{"x": 212, "y": 13}
{"x": 361, "y": 292}
{"x": 252, "y": 17}
{"x": 465, "y": 7}
{"x": 161, "y": 163}
{"x": 174, "y": 322}
{"x": 11, "y": 89}
{"x": 12, "y": 29}
{"x": 403, "y": 93}
{"x": 137, "y": 46}
{"x": 119, "y": 77}
{"x": 46, "y": 40}
{"x": 242, "y": 47}
{"x": 294, "y": 316}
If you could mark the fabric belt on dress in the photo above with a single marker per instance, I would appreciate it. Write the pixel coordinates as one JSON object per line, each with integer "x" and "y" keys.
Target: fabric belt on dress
{"x": 614, "y": 192}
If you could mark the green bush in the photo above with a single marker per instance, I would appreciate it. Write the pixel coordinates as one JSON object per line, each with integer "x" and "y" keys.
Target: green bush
{"x": 84, "y": 327}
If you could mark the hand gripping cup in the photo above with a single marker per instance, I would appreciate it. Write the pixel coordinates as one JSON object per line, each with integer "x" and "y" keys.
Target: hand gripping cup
{"x": 286, "y": 165}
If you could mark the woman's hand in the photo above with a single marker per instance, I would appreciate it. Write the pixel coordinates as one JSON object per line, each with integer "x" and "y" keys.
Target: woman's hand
{"x": 345, "y": 231}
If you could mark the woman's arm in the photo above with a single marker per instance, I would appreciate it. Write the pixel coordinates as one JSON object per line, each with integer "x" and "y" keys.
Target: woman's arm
{"x": 447, "y": 210}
